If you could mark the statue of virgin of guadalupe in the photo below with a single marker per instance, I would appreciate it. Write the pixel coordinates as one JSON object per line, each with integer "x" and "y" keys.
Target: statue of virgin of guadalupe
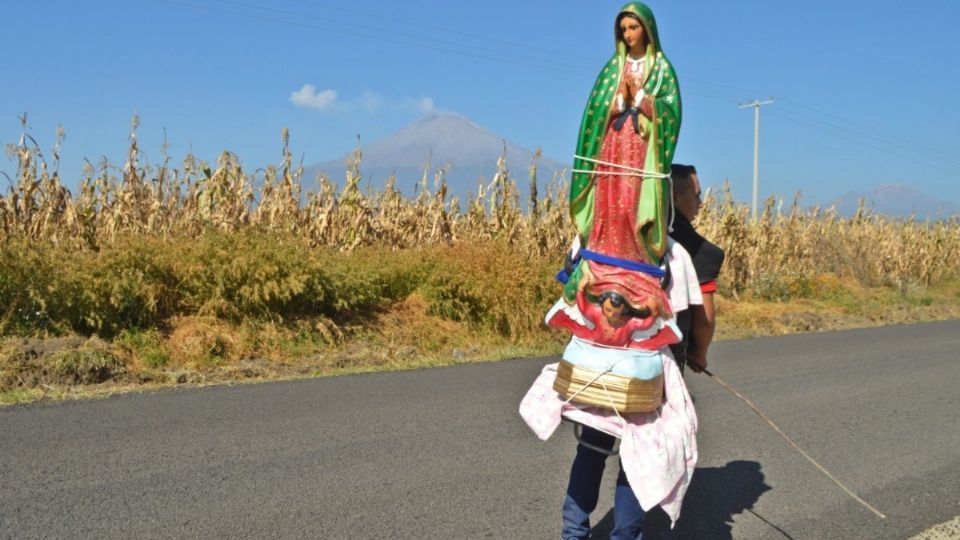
{"x": 617, "y": 375}
{"x": 620, "y": 193}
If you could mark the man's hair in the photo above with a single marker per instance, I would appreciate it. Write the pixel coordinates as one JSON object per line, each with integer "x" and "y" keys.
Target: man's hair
{"x": 681, "y": 175}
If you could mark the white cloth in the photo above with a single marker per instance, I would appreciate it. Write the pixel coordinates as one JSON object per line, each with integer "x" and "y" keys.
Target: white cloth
{"x": 684, "y": 288}
{"x": 658, "y": 449}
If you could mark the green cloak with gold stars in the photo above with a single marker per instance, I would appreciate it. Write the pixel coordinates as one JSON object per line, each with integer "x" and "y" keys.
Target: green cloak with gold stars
{"x": 660, "y": 84}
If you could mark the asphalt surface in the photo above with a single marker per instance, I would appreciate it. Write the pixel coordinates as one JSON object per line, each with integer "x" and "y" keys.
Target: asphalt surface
{"x": 442, "y": 453}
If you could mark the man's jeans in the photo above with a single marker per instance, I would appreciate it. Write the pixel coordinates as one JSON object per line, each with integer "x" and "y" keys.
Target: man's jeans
{"x": 584, "y": 489}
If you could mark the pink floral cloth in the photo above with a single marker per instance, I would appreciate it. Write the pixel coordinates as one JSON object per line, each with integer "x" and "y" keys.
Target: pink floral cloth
{"x": 658, "y": 449}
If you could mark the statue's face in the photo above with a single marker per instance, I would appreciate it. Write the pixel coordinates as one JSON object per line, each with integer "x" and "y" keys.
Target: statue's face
{"x": 633, "y": 33}
{"x": 612, "y": 312}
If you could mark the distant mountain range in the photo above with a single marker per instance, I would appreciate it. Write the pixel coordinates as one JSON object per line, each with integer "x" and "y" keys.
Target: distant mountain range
{"x": 471, "y": 151}
{"x": 438, "y": 139}
{"x": 897, "y": 200}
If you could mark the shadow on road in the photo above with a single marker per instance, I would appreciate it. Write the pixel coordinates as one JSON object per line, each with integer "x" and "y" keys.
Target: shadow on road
{"x": 715, "y": 496}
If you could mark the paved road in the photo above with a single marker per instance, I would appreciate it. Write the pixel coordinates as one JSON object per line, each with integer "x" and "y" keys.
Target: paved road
{"x": 441, "y": 453}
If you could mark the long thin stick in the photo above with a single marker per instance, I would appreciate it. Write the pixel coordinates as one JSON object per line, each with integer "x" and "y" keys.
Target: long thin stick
{"x": 793, "y": 444}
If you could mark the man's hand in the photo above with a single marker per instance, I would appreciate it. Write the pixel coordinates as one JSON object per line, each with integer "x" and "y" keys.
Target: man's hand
{"x": 701, "y": 333}
{"x": 697, "y": 362}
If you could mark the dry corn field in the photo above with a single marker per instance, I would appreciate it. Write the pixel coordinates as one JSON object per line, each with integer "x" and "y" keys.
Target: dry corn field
{"x": 188, "y": 201}
{"x": 199, "y": 273}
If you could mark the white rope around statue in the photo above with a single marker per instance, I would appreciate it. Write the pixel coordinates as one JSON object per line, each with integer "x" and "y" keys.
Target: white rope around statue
{"x": 637, "y": 172}
{"x": 608, "y": 173}
{"x": 606, "y": 391}
{"x": 673, "y": 209}
{"x": 591, "y": 381}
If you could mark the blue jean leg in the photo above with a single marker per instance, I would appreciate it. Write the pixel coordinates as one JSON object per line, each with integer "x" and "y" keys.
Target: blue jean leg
{"x": 627, "y": 513}
{"x": 584, "y": 490}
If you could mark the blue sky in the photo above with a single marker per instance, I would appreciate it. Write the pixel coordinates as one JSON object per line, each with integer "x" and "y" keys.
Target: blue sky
{"x": 865, "y": 92}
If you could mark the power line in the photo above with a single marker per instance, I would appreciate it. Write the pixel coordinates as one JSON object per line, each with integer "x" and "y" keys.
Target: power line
{"x": 707, "y": 92}
{"x": 381, "y": 31}
{"x": 871, "y": 133}
{"x": 741, "y": 90}
{"x": 858, "y": 129}
{"x": 715, "y": 91}
{"x": 451, "y": 48}
{"x": 421, "y": 25}
{"x": 888, "y": 151}
{"x": 491, "y": 54}
{"x": 499, "y": 55}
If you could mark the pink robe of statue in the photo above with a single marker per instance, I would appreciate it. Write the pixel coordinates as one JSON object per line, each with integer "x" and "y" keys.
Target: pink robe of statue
{"x": 616, "y": 199}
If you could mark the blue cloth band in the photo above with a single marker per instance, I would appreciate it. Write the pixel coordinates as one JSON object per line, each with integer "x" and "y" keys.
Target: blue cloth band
{"x": 654, "y": 271}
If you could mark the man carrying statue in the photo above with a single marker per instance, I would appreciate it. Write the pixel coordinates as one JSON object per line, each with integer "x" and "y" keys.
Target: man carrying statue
{"x": 624, "y": 280}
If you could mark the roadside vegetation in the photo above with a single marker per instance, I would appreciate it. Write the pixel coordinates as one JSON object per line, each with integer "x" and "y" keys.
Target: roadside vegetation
{"x": 199, "y": 273}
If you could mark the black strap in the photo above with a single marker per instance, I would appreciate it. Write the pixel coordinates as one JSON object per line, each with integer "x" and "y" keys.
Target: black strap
{"x": 632, "y": 111}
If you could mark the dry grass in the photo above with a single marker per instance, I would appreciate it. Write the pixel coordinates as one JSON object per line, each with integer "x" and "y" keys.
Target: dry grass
{"x": 208, "y": 272}
{"x": 190, "y": 201}
{"x": 797, "y": 246}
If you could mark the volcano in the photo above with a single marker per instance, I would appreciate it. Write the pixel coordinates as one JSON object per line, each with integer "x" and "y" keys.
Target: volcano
{"x": 437, "y": 139}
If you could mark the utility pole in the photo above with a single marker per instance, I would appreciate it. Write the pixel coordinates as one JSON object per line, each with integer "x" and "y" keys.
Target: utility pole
{"x": 756, "y": 104}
